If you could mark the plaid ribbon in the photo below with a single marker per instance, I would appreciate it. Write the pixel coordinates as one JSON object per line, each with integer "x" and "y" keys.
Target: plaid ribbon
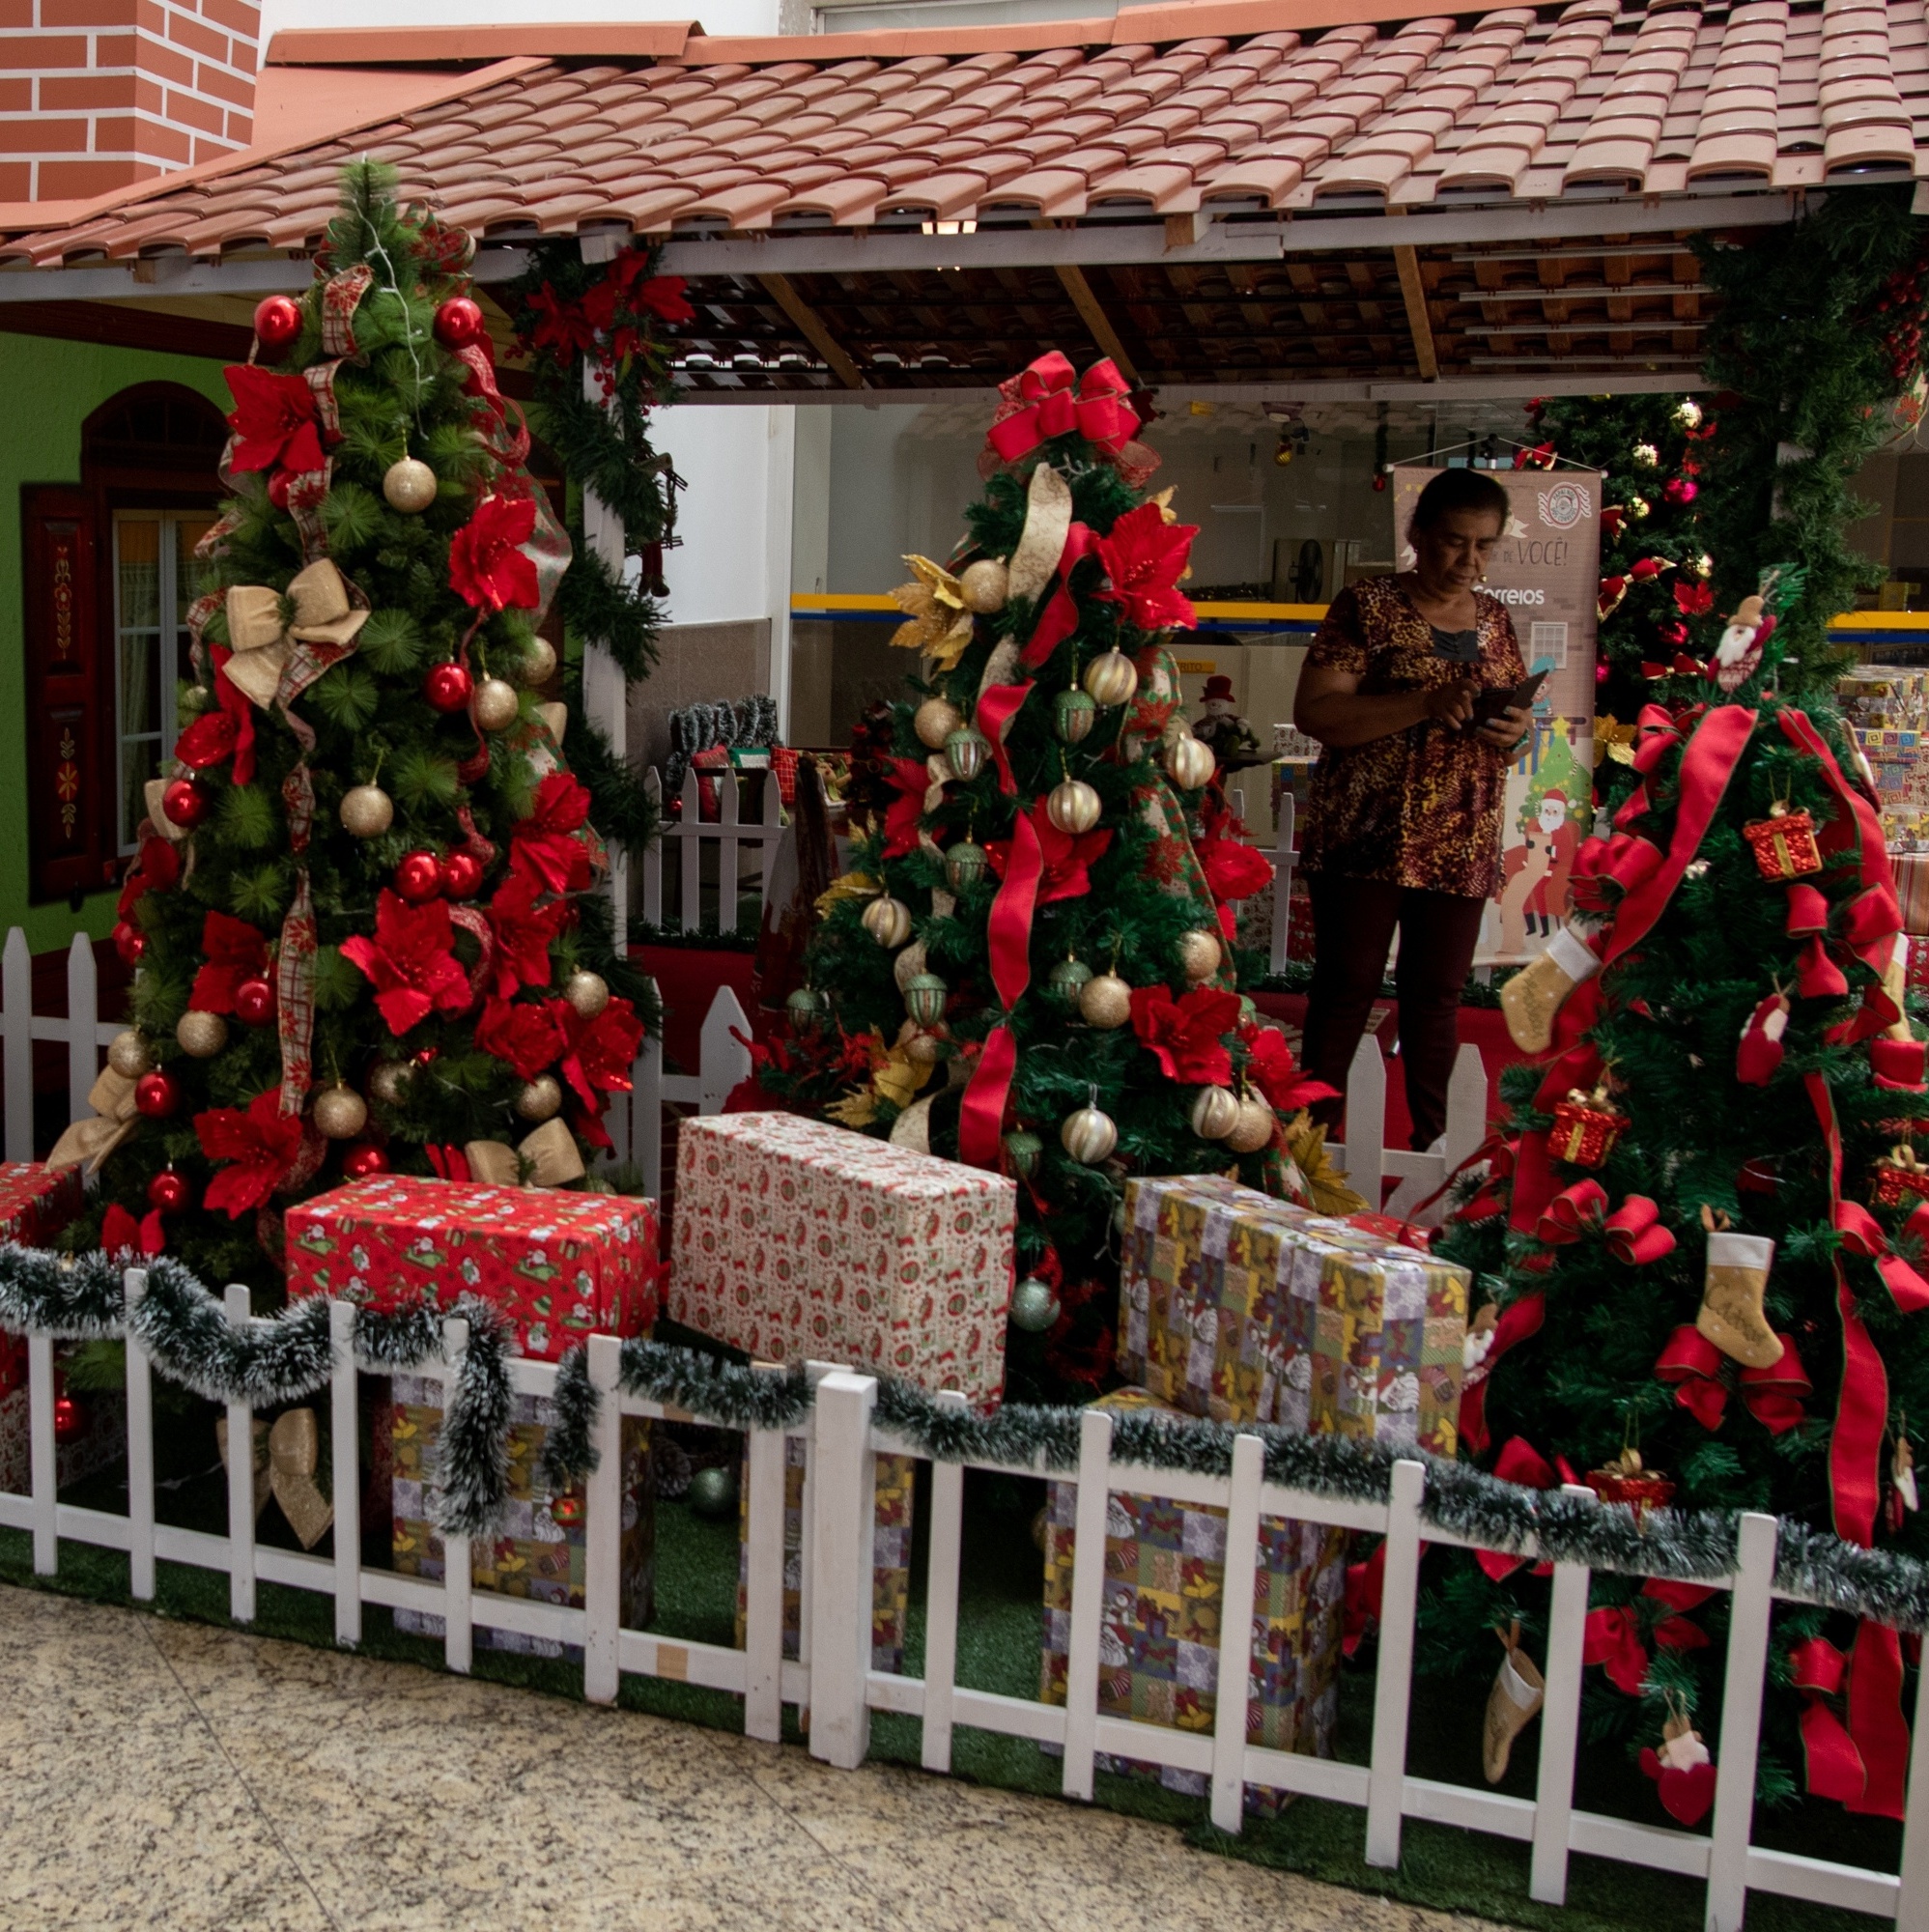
{"x": 341, "y": 294}
{"x": 295, "y": 961}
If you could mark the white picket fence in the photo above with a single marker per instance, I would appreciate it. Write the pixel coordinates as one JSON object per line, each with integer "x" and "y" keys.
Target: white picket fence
{"x": 687, "y": 836}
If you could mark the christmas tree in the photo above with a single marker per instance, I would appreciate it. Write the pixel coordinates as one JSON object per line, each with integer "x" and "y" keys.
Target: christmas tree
{"x": 1700, "y": 1228}
{"x": 366, "y": 912}
{"x": 1030, "y": 965}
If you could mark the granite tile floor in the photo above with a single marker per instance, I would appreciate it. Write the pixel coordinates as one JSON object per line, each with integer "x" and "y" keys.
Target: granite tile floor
{"x": 169, "y": 1776}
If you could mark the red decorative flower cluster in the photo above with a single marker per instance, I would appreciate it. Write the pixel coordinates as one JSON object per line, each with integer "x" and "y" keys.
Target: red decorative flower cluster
{"x": 546, "y": 847}
{"x": 274, "y": 420}
{"x": 610, "y": 321}
{"x": 489, "y": 568}
{"x": 1185, "y": 1034}
{"x": 410, "y": 961}
{"x": 231, "y": 952}
{"x": 1145, "y": 558}
{"x": 1067, "y": 856}
{"x": 259, "y": 1148}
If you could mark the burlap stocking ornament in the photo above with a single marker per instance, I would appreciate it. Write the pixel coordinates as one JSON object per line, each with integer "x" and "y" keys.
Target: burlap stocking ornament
{"x": 1731, "y": 1296}
{"x": 1532, "y": 998}
{"x": 1512, "y": 1705}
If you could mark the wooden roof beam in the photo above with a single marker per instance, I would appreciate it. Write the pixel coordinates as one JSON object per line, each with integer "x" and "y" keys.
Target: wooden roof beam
{"x": 1414, "y": 292}
{"x": 810, "y": 325}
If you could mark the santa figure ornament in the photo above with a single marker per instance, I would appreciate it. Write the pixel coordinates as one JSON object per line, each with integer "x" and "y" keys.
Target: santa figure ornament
{"x": 1739, "y": 651}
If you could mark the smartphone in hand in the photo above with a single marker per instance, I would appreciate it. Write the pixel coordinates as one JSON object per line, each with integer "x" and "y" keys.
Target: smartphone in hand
{"x": 1491, "y": 703}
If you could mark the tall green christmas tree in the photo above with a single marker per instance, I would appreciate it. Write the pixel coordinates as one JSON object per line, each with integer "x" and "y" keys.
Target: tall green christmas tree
{"x": 366, "y": 912}
{"x": 1030, "y": 965}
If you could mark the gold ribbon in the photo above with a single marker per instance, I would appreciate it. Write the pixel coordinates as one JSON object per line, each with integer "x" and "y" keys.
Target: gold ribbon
{"x": 286, "y": 1458}
{"x": 115, "y": 1116}
{"x": 1042, "y": 542}
{"x": 555, "y": 720}
{"x": 261, "y": 644}
{"x": 548, "y": 1156}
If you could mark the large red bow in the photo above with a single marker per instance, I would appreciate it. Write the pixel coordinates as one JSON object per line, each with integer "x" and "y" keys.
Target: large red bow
{"x": 1633, "y": 1232}
{"x": 1774, "y": 1396}
{"x": 1862, "y": 1234}
{"x": 1613, "y": 1636}
{"x": 1520, "y": 1462}
{"x": 1040, "y": 402}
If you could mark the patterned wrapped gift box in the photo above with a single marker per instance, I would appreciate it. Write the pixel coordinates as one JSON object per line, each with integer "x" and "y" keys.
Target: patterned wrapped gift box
{"x": 559, "y": 1265}
{"x": 1165, "y": 1576}
{"x": 798, "y": 1240}
{"x": 535, "y": 1555}
{"x": 891, "y": 1555}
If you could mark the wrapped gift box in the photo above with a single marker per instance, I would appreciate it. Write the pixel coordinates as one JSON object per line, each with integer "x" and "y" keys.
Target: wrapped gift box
{"x": 1165, "y": 1575}
{"x": 891, "y": 1555}
{"x": 798, "y": 1240}
{"x": 559, "y": 1265}
{"x": 539, "y": 1551}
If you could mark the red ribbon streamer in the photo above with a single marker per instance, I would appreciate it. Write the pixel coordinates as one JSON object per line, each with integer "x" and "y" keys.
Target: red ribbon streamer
{"x": 1061, "y": 615}
{"x": 981, "y": 1115}
{"x": 1876, "y": 1721}
{"x": 1836, "y": 1768}
{"x": 997, "y": 707}
{"x": 1519, "y": 1320}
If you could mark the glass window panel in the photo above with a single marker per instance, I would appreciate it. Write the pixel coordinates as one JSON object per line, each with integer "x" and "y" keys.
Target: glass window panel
{"x": 139, "y": 757}
{"x": 140, "y": 695}
{"x": 137, "y": 563}
{"x": 187, "y": 532}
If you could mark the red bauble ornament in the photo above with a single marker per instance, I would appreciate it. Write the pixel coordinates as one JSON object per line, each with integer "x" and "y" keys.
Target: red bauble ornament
{"x": 129, "y": 941}
{"x": 418, "y": 877}
{"x": 157, "y": 1095}
{"x": 457, "y": 323}
{"x": 448, "y": 686}
{"x": 254, "y": 1002}
{"x": 362, "y": 1160}
{"x": 277, "y": 489}
{"x": 277, "y": 321}
{"x": 185, "y": 803}
{"x": 1679, "y": 490}
{"x": 168, "y": 1191}
{"x": 462, "y": 875}
{"x": 69, "y": 1419}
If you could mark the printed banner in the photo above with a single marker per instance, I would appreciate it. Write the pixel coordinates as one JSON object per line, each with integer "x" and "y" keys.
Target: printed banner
{"x": 1547, "y": 570}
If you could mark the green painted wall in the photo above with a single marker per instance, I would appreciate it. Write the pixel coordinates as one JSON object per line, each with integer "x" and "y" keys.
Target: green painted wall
{"x": 48, "y": 389}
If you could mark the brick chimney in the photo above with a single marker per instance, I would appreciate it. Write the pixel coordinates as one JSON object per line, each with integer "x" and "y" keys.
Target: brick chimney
{"x": 98, "y": 94}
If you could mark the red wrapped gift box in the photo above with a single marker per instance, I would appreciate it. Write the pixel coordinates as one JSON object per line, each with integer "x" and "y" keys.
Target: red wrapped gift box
{"x": 36, "y": 1203}
{"x": 559, "y": 1265}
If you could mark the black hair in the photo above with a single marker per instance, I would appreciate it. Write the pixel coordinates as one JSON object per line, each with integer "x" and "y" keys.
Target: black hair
{"x": 1454, "y": 490}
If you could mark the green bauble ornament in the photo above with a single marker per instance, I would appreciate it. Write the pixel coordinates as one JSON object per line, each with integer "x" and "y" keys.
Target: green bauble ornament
{"x": 1067, "y": 980}
{"x": 964, "y": 864}
{"x": 1073, "y": 715}
{"x": 925, "y": 998}
{"x": 806, "y": 1008}
{"x": 1033, "y": 1306}
{"x": 965, "y": 751}
{"x": 1023, "y": 1148}
{"x": 713, "y": 1493}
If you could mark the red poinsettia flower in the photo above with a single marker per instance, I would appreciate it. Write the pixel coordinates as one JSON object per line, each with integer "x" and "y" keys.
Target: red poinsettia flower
{"x": 1067, "y": 856}
{"x": 207, "y": 741}
{"x": 545, "y": 847}
{"x": 524, "y": 931}
{"x": 158, "y": 869}
{"x": 1694, "y": 599}
{"x": 1145, "y": 558}
{"x": 562, "y": 330}
{"x": 526, "y": 1035}
{"x": 1183, "y": 1035}
{"x": 488, "y": 567}
{"x": 274, "y": 421}
{"x": 409, "y": 962}
{"x": 909, "y": 778}
{"x": 233, "y": 952}
{"x": 1279, "y": 1076}
{"x": 1234, "y": 869}
{"x": 599, "y": 1053}
{"x": 121, "y": 1233}
{"x": 259, "y": 1148}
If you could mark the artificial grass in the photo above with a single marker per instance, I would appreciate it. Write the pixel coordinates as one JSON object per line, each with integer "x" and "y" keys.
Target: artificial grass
{"x": 998, "y": 1629}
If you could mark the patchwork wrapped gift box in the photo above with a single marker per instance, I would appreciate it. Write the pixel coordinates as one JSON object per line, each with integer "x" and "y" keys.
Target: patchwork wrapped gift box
{"x": 558, "y": 1266}
{"x": 539, "y": 1550}
{"x": 1241, "y": 1308}
{"x": 1164, "y": 1581}
{"x": 798, "y": 1240}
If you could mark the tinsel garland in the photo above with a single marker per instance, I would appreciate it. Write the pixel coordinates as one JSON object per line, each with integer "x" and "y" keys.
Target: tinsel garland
{"x": 185, "y": 1331}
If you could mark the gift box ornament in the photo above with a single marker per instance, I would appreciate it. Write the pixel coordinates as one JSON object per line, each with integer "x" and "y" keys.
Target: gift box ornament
{"x": 1586, "y": 1127}
{"x": 1899, "y": 1178}
{"x": 1164, "y": 1591}
{"x": 560, "y": 1267}
{"x": 890, "y": 1563}
{"x": 798, "y": 1240}
{"x": 539, "y": 1550}
{"x": 1784, "y": 843}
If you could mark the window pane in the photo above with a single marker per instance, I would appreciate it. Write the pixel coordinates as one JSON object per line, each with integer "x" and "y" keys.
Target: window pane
{"x": 139, "y": 757}
{"x": 187, "y": 532}
{"x": 137, "y": 563}
{"x": 140, "y": 694}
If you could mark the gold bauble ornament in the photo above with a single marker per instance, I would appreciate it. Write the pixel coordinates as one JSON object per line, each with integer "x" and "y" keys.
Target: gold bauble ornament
{"x": 1073, "y": 806}
{"x": 1646, "y": 455}
{"x": 1252, "y": 1127}
{"x": 925, "y": 1049}
{"x": 389, "y": 1081}
{"x": 984, "y": 585}
{"x": 368, "y": 811}
{"x": 1214, "y": 1112}
{"x": 587, "y": 993}
{"x": 1199, "y": 954}
{"x": 909, "y": 964}
{"x": 1638, "y": 507}
{"x": 1111, "y": 677}
{"x": 202, "y": 1036}
{"x": 1105, "y": 1001}
{"x": 888, "y": 921}
{"x": 1088, "y": 1135}
{"x": 934, "y": 721}
{"x": 340, "y": 1112}
{"x": 1190, "y": 762}
{"x": 539, "y": 662}
{"x": 541, "y": 1099}
{"x": 129, "y": 1055}
{"x": 409, "y": 485}
{"x": 1687, "y": 412}
{"x": 494, "y": 705}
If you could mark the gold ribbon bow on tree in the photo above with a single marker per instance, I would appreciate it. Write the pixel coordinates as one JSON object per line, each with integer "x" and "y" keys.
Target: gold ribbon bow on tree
{"x": 938, "y": 624}
{"x": 322, "y": 622}
{"x": 286, "y": 1458}
{"x": 115, "y": 1116}
{"x": 549, "y": 1157}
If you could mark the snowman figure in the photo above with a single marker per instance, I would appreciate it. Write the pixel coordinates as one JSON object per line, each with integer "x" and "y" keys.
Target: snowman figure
{"x": 1220, "y": 726}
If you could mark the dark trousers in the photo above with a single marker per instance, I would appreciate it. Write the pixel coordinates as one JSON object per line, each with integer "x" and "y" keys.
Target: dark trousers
{"x": 1354, "y": 922}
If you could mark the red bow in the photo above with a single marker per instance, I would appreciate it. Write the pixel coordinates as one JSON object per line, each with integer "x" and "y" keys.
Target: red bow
{"x": 1613, "y": 1636}
{"x": 1862, "y": 1234}
{"x": 1520, "y": 1462}
{"x": 1633, "y": 1232}
{"x": 122, "y": 1234}
{"x": 1774, "y": 1396}
{"x": 1038, "y": 401}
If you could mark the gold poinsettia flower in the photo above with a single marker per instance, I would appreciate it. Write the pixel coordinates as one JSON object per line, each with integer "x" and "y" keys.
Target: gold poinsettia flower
{"x": 1326, "y": 1189}
{"x": 1163, "y": 499}
{"x": 894, "y": 1077}
{"x": 847, "y": 886}
{"x": 939, "y": 624}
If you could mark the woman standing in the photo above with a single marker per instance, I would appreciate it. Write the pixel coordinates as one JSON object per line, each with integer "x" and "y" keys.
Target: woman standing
{"x": 1404, "y": 822}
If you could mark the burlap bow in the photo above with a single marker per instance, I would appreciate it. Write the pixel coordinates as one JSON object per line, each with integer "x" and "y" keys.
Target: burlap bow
{"x": 286, "y": 1458}
{"x": 549, "y": 1152}
{"x": 115, "y": 1116}
{"x": 322, "y": 631}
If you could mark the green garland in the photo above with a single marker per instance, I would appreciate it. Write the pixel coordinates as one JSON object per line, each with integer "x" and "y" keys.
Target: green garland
{"x": 187, "y": 1333}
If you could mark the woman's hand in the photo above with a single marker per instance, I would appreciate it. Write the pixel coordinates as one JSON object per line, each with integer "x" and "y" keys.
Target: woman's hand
{"x": 1451, "y": 704}
{"x": 1506, "y": 731}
